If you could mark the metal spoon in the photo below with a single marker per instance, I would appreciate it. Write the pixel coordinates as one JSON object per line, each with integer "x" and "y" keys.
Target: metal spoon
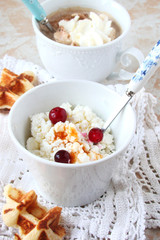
{"x": 142, "y": 75}
{"x": 38, "y": 12}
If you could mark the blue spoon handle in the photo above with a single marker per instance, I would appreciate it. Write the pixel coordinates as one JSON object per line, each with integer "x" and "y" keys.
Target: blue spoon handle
{"x": 143, "y": 74}
{"x": 146, "y": 69}
{"x": 35, "y": 8}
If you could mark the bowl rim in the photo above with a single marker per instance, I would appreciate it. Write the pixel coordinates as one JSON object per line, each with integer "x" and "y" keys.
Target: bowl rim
{"x": 64, "y": 165}
{"x": 51, "y": 42}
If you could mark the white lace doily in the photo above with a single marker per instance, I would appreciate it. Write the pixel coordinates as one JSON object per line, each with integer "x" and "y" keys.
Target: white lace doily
{"x": 132, "y": 201}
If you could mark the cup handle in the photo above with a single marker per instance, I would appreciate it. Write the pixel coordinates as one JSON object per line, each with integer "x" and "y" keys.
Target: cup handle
{"x": 125, "y": 60}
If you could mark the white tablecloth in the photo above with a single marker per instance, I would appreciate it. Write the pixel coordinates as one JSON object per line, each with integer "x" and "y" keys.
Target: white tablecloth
{"x": 131, "y": 202}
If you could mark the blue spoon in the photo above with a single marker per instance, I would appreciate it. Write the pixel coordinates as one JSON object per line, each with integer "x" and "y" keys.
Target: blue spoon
{"x": 142, "y": 75}
{"x": 38, "y": 12}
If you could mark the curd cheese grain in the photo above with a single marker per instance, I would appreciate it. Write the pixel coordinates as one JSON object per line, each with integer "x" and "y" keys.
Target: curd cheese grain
{"x": 71, "y": 135}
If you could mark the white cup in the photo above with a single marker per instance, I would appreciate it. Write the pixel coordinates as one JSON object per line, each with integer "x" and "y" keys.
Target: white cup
{"x": 71, "y": 184}
{"x": 94, "y": 63}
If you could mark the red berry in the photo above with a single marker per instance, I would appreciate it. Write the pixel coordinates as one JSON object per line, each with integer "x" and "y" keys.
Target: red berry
{"x": 57, "y": 114}
{"x": 62, "y": 156}
{"x": 95, "y": 135}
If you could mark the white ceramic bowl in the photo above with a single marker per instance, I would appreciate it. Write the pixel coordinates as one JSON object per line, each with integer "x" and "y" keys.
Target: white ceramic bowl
{"x": 71, "y": 184}
{"x": 90, "y": 63}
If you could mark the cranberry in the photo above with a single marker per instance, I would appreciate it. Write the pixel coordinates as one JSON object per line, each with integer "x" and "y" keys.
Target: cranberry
{"x": 57, "y": 114}
{"x": 95, "y": 135}
{"x": 62, "y": 156}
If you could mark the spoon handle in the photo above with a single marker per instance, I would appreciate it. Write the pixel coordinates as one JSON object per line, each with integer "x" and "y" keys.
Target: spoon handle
{"x": 145, "y": 71}
{"x": 36, "y": 9}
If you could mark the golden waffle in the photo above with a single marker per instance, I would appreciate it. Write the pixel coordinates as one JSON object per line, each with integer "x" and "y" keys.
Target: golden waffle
{"x": 12, "y": 86}
{"x": 33, "y": 220}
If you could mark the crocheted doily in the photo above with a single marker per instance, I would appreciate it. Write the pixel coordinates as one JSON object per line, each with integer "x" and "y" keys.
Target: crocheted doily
{"x": 131, "y": 202}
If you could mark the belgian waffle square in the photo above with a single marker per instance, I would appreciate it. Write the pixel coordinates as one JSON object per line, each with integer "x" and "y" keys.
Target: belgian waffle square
{"x": 33, "y": 220}
{"x": 12, "y": 86}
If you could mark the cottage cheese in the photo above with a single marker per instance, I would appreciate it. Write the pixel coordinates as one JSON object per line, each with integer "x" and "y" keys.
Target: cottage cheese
{"x": 72, "y": 135}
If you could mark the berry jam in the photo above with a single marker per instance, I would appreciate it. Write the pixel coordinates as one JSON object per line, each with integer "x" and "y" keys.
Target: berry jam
{"x": 95, "y": 135}
{"x": 57, "y": 114}
{"x": 62, "y": 156}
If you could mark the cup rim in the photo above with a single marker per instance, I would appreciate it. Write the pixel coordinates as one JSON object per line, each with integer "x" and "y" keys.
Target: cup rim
{"x": 52, "y": 42}
{"x": 63, "y": 165}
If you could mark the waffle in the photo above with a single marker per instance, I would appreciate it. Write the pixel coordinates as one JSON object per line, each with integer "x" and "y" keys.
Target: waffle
{"x": 12, "y": 86}
{"x": 33, "y": 220}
